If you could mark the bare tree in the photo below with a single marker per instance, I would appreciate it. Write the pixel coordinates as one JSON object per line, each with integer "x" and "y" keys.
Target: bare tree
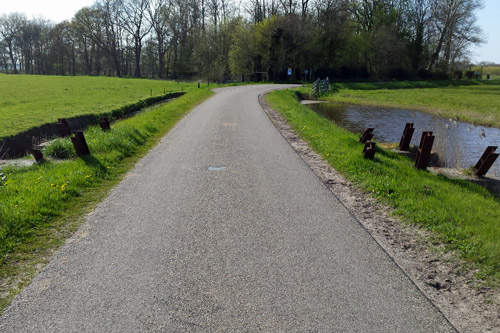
{"x": 159, "y": 15}
{"x": 133, "y": 14}
{"x": 84, "y": 40}
{"x": 289, "y": 6}
{"x": 453, "y": 20}
{"x": 102, "y": 24}
{"x": 418, "y": 17}
{"x": 10, "y": 30}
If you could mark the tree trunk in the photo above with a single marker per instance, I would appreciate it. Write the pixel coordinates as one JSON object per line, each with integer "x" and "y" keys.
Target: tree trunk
{"x": 138, "y": 48}
{"x": 12, "y": 59}
{"x": 116, "y": 62}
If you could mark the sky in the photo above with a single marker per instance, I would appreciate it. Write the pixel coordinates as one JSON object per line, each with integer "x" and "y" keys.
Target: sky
{"x": 59, "y": 10}
{"x": 488, "y": 20}
{"x": 55, "y": 10}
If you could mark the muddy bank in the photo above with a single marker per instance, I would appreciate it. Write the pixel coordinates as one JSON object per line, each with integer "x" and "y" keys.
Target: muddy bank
{"x": 17, "y": 145}
{"x": 445, "y": 279}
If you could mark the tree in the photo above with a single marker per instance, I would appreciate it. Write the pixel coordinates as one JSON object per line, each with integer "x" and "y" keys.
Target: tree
{"x": 84, "y": 39}
{"x": 159, "y": 16}
{"x": 133, "y": 19}
{"x": 101, "y": 22}
{"x": 418, "y": 16}
{"x": 453, "y": 22}
{"x": 10, "y": 30}
{"x": 243, "y": 54}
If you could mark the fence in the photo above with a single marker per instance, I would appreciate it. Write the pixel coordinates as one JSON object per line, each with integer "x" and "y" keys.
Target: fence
{"x": 320, "y": 86}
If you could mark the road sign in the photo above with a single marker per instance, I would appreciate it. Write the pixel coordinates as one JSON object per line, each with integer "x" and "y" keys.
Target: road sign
{"x": 289, "y": 72}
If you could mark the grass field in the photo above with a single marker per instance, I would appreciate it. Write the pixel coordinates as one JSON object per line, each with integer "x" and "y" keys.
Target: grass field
{"x": 28, "y": 101}
{"x": 473, "y": 101}
{"x": 465, "y": 216}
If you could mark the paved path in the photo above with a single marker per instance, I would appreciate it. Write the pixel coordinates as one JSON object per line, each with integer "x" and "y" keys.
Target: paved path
{"x": 222, "y": 227}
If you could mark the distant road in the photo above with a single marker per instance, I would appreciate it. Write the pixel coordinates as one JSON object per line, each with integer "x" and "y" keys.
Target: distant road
{"x": 222, "y": 228}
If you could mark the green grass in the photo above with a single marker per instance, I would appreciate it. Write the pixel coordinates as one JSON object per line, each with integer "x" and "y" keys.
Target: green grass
{"x": 473, "y": 101}
{"x": 28, "y": 101}
{"x": 465, "y": 216}
{"x": 41, "y": 205}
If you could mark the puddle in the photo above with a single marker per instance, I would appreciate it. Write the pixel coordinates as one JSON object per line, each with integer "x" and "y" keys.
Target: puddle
{"x": 458, "y": 144}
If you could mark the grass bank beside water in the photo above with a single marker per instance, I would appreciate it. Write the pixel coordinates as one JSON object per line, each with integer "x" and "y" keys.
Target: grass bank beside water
{"x": 41, "y": 205}
{"x": 463, "y": 215}
{"x": 468, "y": 100}
{"x": 28, "y": 101}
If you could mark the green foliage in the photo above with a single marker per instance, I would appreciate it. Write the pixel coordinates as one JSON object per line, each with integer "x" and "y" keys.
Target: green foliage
{"x": 243, "y": 49}
{"x": 463, "y": 214}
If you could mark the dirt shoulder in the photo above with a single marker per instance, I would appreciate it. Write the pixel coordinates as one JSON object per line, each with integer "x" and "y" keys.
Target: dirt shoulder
{"x": 445, "y": 279}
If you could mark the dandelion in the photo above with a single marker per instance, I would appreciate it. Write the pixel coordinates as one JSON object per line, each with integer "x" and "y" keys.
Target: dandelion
{"x": 327, "y": 154}
{"x": 52, "y": 185}
{"x": 107, "y": 167}
{"x": 63, "y": 187}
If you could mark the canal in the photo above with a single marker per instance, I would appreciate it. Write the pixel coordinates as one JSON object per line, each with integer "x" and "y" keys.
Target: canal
{"x": 458, "y": 144}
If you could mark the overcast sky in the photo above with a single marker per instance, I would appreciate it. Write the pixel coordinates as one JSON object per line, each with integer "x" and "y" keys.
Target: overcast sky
{"x": 59, "y": 10}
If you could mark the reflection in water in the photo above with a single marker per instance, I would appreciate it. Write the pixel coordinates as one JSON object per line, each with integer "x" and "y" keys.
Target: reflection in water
{"x": 458, "y": 144}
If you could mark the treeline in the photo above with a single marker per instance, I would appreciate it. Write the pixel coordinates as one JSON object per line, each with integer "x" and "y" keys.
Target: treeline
{"x": 218, "y": 39}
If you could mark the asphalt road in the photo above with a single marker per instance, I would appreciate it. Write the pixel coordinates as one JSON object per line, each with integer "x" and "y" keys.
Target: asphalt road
{"x": 222, "y": 228}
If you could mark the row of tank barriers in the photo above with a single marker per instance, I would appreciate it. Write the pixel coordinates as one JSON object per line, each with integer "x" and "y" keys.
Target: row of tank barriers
{"x": 421, "y": 160}
{"x": 77, "y": 138}
{"x": 424, "y": 149}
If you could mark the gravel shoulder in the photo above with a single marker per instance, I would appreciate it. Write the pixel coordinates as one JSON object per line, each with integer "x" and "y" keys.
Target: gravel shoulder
{"x": 445, "y": 279}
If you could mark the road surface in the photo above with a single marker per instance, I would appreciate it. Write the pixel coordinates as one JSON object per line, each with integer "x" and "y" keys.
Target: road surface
{"x": 222, "y": 228}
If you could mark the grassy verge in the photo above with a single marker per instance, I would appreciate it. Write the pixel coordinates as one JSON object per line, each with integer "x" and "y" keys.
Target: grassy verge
{"x": 43, "y": 204}
{"x": 472, "y": 101}
{"x": 28, "y": 101}
{"x": 463, "y": 215}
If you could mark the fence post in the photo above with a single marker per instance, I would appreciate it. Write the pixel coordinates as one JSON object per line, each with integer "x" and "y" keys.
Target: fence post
{"x": 424, "y": 150}
{"x": 404, "y": 144}
{"x": 369, "y": 150}
{"x": 367, "y": 135}
{"x": 37, "y": 154}
{"x": 80, "y": 144}
{"x": 63, "y": 127}
{"x": 104, "y": 123}
{"x": 486, "y": 161}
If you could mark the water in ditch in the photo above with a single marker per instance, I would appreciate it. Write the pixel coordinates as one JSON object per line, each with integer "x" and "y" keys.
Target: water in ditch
{"x": 458, "y": 144}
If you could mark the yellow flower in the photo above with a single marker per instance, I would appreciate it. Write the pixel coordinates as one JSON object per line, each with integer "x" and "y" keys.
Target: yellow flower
{"x": 63, "y": 187}
{"x": 327, "y": 154}
{"x": 107, "y": 167}
{"x": 52, "y": 185}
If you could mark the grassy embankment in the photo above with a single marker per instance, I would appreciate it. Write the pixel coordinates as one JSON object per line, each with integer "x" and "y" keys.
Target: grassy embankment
{"x": 463, "y": 215}
{"x": 40, "y": 206}
{"x": 473, "y": 101}
{"x": 29, "y": 101}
